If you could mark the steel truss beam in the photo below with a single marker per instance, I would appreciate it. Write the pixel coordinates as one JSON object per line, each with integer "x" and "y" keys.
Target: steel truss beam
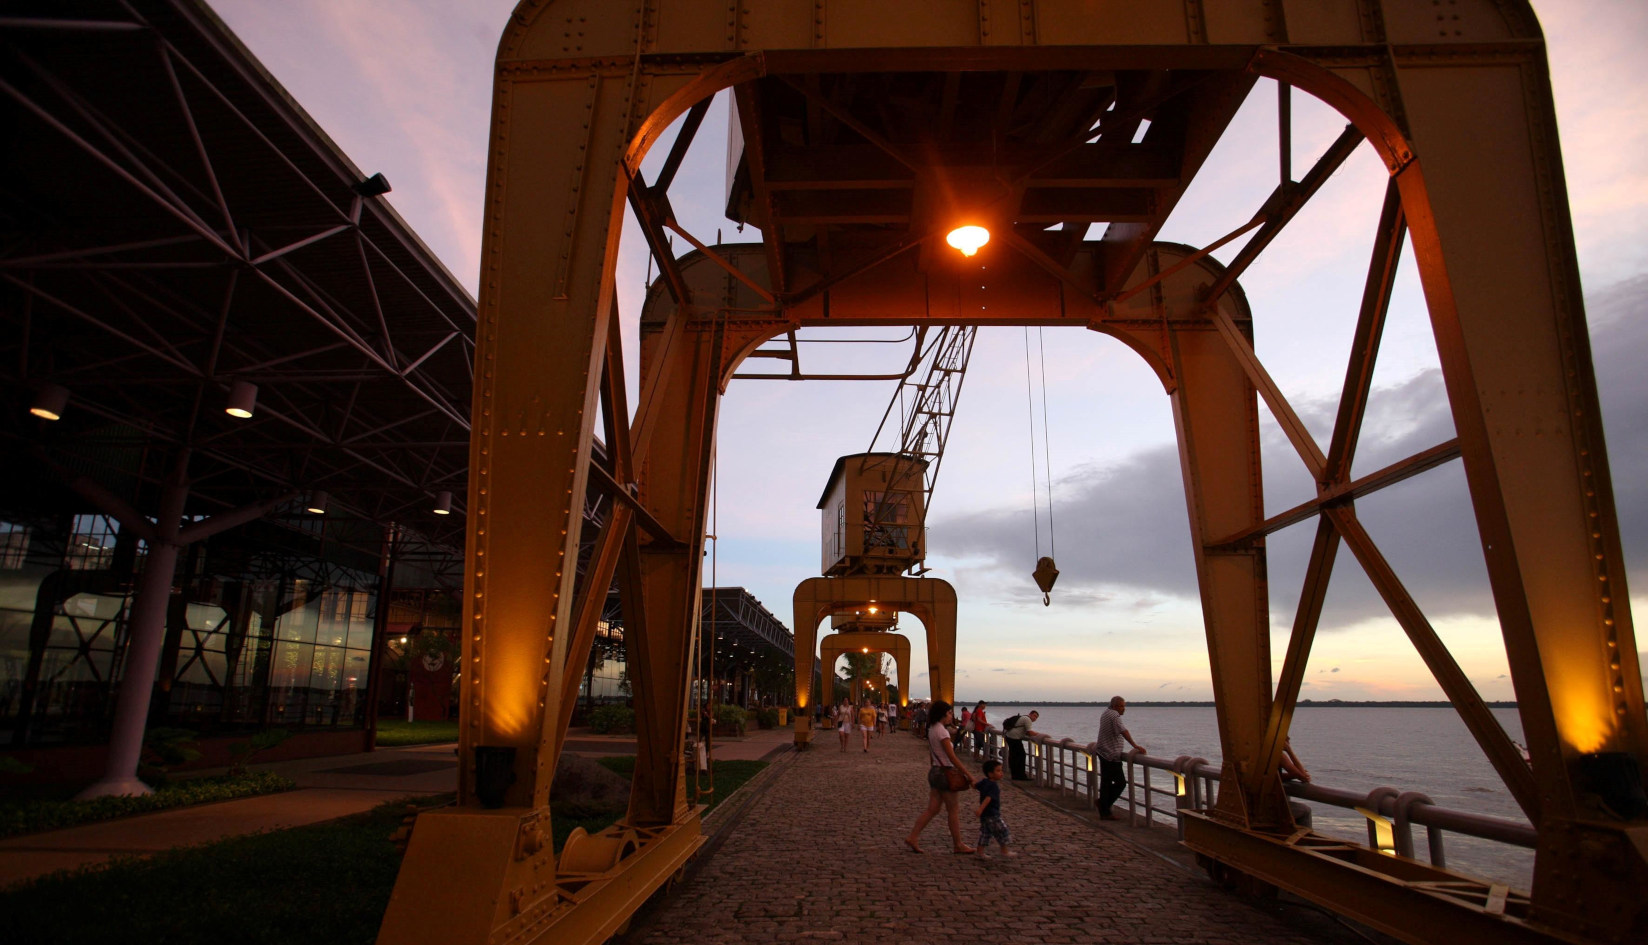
{"x": 195, "y": 192}
{"x": 1495, "y": 259}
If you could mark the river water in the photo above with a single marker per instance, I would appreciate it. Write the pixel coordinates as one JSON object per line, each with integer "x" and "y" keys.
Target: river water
{"x": 1352, "y": 748}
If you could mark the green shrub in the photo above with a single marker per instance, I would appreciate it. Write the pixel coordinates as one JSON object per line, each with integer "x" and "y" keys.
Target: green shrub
{"x": 242, "y": 752}
{"x": 32, "y": 816}
{"x": 612, "y": 720}
{"x": 163, "y": 748}
{"x": 727, "y": 714}
{"x": 767, "y": 718}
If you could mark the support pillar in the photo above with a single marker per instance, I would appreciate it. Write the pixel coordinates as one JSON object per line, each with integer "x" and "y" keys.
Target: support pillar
{"x": 148, "y": 634}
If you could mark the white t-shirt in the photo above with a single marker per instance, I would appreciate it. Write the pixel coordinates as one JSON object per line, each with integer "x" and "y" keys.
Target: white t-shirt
{"x": 937, "y": 735}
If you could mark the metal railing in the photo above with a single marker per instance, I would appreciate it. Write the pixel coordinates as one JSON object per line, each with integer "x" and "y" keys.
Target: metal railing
{"x": 1070, "y": 767}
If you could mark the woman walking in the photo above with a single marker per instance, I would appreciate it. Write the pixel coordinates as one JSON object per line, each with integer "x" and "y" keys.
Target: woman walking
{"x": 944, "y": 771}
{"x": 844, "y": 723}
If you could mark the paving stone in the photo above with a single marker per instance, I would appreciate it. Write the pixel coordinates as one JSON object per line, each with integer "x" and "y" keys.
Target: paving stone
{"x": 819, "y": 856}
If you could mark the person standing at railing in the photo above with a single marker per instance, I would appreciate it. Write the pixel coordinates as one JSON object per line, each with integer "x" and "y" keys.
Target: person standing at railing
{"x": 1112, "y": 733}
{"x": 945, "y": 777}
{"x": 980, "y": 724}
{"x": 1016, "y": 729}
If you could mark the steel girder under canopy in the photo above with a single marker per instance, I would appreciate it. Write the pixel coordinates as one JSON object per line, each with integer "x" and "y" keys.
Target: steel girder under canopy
{"x": 180, "y": 238}
{"x": 1016, "y": 117}
{"x": 175, "y": 225}
{"x": 737, "y": 619}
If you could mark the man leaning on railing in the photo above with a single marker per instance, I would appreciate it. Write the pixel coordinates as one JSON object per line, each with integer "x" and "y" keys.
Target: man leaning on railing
{"x": 1112, "y": 778}
{"x": 1015, "y": 730}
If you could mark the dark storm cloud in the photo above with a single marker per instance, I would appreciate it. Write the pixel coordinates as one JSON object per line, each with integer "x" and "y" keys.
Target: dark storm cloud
{"x": 1125, "y": 525}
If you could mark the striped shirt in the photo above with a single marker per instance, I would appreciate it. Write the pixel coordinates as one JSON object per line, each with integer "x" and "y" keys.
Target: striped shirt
{"x": 1112, "y": 745}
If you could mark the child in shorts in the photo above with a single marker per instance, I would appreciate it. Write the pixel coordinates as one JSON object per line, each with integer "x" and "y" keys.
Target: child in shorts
{"x": 989, "y": 811}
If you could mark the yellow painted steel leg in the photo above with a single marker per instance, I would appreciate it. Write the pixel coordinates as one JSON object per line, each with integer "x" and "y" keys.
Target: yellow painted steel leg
{"x": 1497, "y": 263}
{"x": 1215, "y": 410}
{"x": 929, "y": 600}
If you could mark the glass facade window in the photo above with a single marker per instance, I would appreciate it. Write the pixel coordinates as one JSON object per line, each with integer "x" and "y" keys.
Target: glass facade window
{"x": 14, "y": 546}
{"x": 91, "y": 545}
{"x": 607, "y": 678}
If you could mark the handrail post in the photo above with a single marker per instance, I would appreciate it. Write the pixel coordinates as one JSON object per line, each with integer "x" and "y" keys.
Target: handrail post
{"x": 1149, "y": 799}
{"x": 1404, "y": 826}
{"x": 1381, "y": 828}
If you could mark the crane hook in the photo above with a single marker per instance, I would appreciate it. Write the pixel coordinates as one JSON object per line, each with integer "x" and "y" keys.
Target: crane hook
{"x": 1045, "y": 574}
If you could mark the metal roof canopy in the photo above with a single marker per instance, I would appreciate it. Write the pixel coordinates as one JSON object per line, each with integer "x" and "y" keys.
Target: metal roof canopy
{"x": 175, "y": 222}
{"x": 737, "y": 618}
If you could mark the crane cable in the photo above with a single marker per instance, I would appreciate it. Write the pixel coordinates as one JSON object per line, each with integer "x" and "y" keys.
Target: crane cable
{"x": 1046, "y": 571}
{"x": 703, "y": 782}
{"x": 1046, "y": 442}
{"x": 1030, "y": 402}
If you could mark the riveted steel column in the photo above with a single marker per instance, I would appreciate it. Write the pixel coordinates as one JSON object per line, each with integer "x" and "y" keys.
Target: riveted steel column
{"x": 1215, "y": 410}
{"x": 1496, "y": 258}
{"x": 674, "y": 476}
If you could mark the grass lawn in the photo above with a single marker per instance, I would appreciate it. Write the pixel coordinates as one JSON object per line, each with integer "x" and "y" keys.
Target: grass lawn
{"x": 396, "y": 732}
{"x": 27, "y": 815}
{"x": 325, "y": 882}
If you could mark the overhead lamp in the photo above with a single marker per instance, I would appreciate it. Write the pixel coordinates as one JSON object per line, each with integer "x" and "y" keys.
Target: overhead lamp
{"x": 443, "y": 504}
{"x": 242, "y": 400}
{"x": 375, "y": 186}
{"x": 49, "y": 402}
{"x": 317, "y": 502}
{"x": 968, "y": 238}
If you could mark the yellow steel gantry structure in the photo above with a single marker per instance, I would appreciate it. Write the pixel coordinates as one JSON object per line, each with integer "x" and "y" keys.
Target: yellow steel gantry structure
{"x": 866, "y": 130}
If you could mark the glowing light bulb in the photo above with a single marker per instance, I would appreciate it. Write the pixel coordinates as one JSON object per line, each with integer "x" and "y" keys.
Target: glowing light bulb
{"x": 968, "y": 238}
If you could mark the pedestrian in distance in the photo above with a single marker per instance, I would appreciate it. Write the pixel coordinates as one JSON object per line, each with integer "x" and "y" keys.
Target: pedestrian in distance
{"x": 892, "y": 716}
{"x": 980, "y": 726}
{"x": 844, "y": 723}
{"x": 881, "y": 720}
{"x": 1016, "y": 729}
{"x": 942, "y": 759}
{"x": 866, "y": 722}
{"x": 1112, "y": 733}
{"x": 989, "y": 811}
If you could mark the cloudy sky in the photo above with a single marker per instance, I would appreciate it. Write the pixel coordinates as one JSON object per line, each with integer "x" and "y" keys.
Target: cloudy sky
{"x": 404, "y": 87}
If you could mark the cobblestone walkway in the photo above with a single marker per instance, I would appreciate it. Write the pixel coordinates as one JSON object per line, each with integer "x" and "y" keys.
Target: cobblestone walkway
{"x": 818, "y": 855}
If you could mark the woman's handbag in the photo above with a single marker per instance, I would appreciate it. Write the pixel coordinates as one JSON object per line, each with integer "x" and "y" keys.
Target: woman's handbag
{"x": 956, "y": 779}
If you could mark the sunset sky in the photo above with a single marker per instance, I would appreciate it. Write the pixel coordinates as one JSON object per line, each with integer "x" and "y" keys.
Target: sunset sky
{"x": 404, "y": 87}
